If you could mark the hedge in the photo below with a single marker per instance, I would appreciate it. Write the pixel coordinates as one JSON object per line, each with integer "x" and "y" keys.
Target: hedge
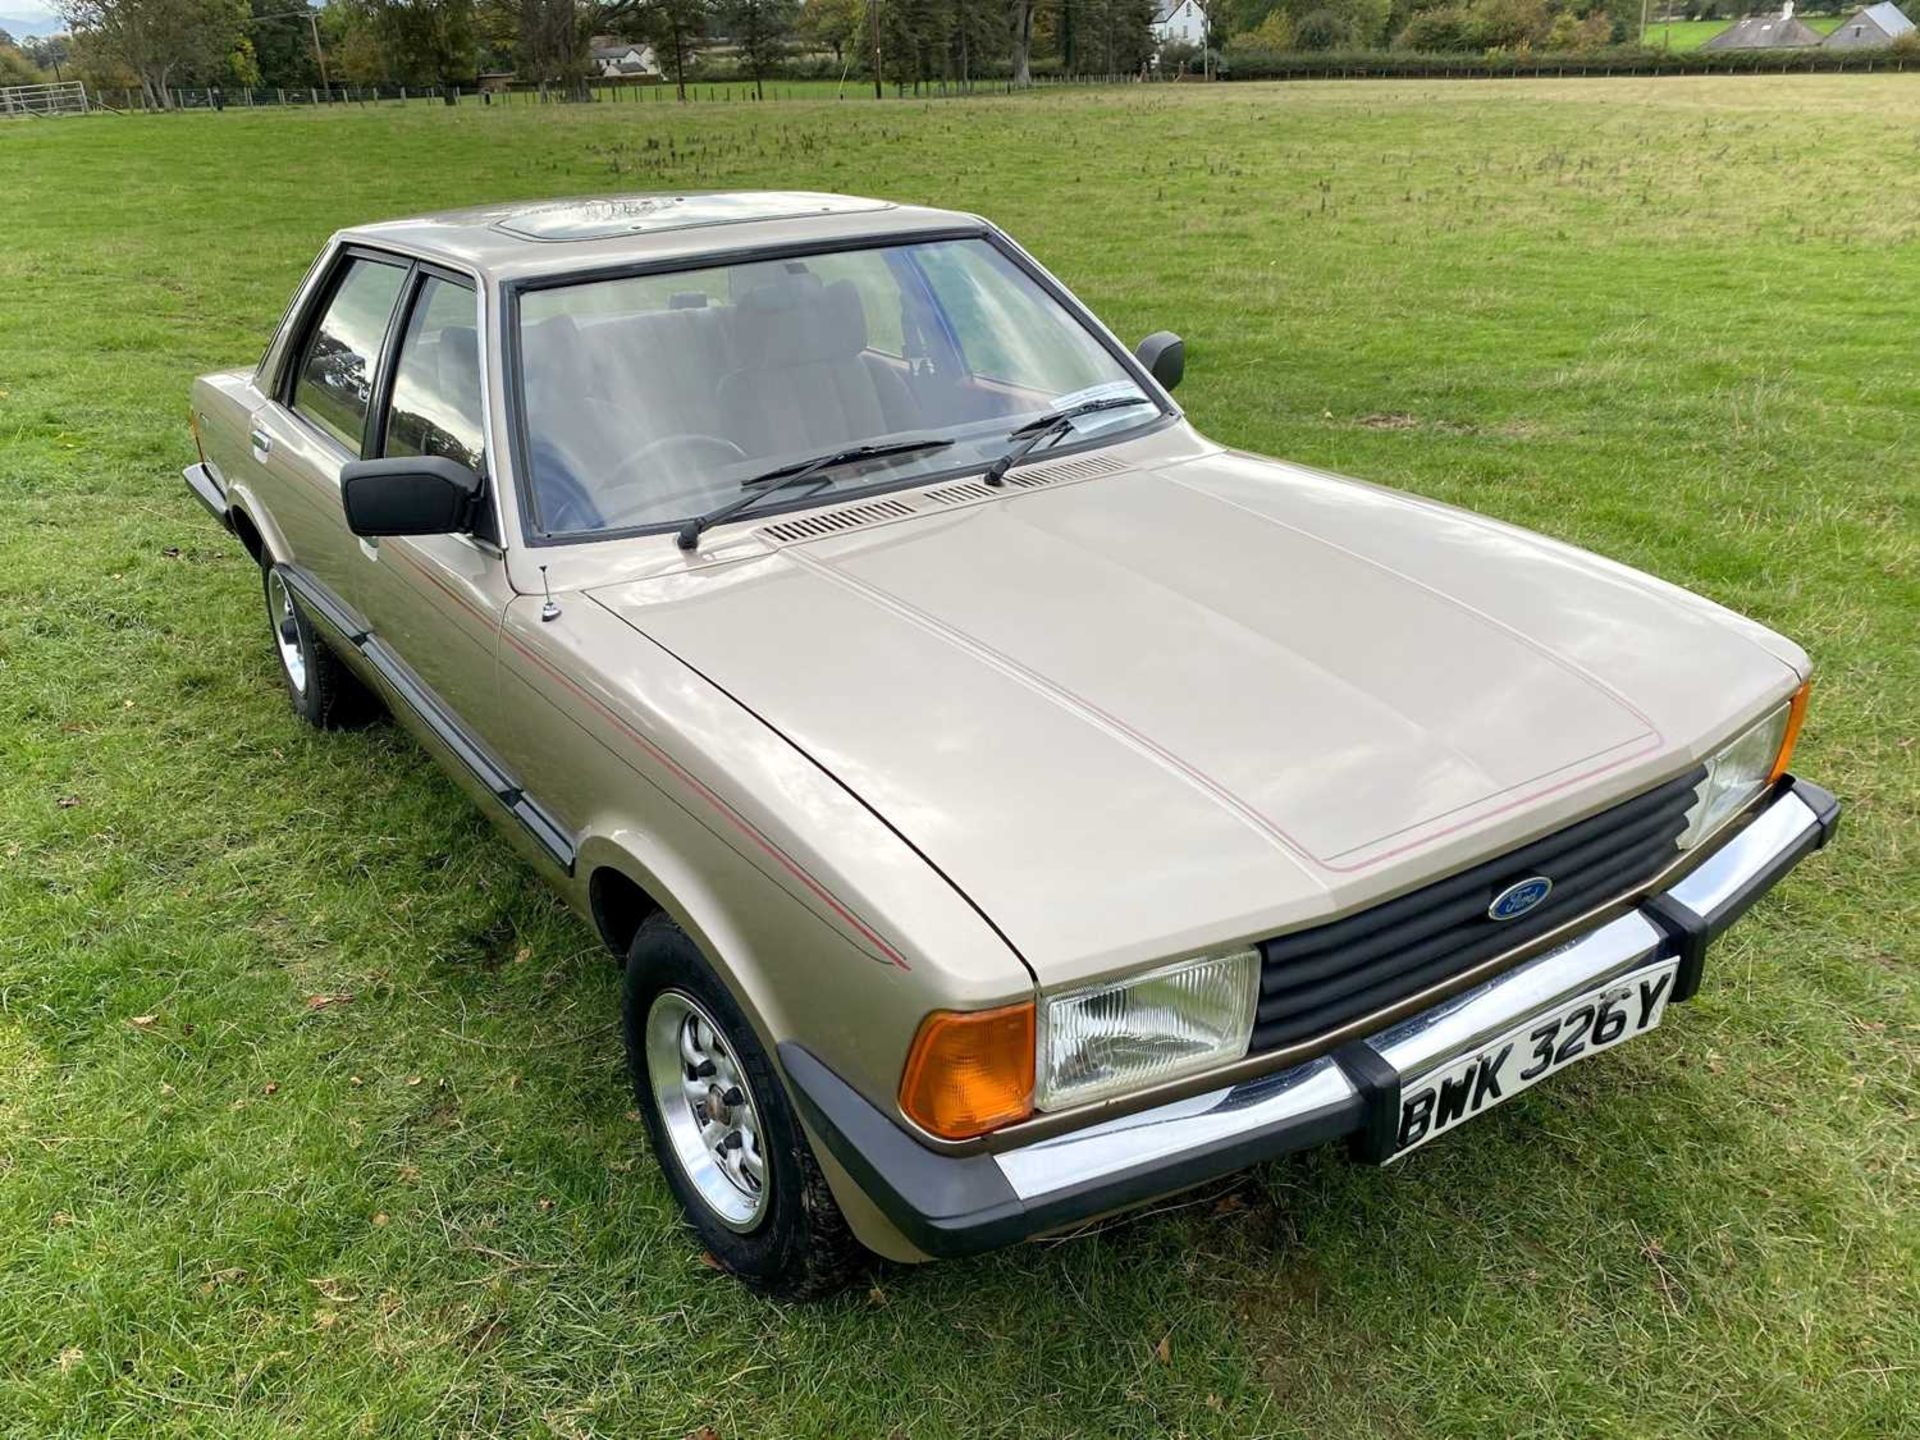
{"x": 1241, "y": 64}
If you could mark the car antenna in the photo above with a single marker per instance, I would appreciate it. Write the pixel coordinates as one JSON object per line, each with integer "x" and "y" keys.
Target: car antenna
{"x": 548, "y": 611}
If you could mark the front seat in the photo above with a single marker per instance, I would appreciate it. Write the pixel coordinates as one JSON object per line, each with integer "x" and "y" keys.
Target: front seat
{"x": 805, "y": 380}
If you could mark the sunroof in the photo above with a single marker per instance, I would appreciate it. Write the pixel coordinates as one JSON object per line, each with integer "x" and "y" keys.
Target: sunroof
{"x": 639, "y": 214}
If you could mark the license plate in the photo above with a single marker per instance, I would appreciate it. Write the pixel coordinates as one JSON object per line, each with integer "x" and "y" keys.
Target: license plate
{"x": 1446, "y": 1097}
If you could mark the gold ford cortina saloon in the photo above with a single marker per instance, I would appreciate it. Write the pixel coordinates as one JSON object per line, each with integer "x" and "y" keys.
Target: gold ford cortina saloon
{"x": 1009, "y": 805}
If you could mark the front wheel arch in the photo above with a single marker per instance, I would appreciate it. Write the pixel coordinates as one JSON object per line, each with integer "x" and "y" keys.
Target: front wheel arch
{"x": 619, "y": 906}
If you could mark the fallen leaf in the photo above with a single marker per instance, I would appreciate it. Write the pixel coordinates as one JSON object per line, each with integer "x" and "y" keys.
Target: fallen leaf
{"x": 70, "y": 1357}
{"x": 705, "y": 1432}
{"x": 413, "y": 1079}
{"x": 1213, "y": 1402}
{"x": 1163, "y": 1352}
{"x": 62, "y": 1219}
{"x": 545, "y": 1204}
{"x": 876, "y": 1297}
{"x": 380, "y": 1219}
{"x": 141, "y": 1022}
{"x": 707, "y": 1259}
{"x": 272, "y": 1087}
{"x": 320, "y": 1002}
{"x": 409, "y": 1173}
{"x": 522, "y": 955}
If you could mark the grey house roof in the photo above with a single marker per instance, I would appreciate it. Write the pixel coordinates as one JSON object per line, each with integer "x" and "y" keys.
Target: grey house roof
{"x": 1764, "y": 32}
{"x": 1869, "y": 28}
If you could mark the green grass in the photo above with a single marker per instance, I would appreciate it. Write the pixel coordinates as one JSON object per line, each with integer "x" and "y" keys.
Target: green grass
{"x": 227, "y": 1206}
{"x": 1692, "y": 34}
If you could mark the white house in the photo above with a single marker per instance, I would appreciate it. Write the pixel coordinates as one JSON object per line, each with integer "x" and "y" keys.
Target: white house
{"x": 617, "y": 58}
{"x": 1179, "y": 22}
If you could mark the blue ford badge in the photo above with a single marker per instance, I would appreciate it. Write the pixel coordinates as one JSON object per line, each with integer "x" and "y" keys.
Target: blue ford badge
{"x": 1518, "y": 898}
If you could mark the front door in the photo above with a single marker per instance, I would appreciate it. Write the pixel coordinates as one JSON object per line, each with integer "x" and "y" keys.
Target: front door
{"x": 315, "y": 422}
{"x": 435, "y": 601}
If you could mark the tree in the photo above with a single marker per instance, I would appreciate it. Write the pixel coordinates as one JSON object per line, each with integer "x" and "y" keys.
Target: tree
{"x": 761, "y": 31}
{"x": 548, "y": 39}
{"x": 15, "y": 67}
{"x": 49, "y": 52}
{"x": 836, "y": 25}
{"x": 417, "y": 42}
{"x": 282, "y": 45}
{"x": 1020, "y": 23}
{"x": 159, "y": 40}
{"x": 676, "y": 29}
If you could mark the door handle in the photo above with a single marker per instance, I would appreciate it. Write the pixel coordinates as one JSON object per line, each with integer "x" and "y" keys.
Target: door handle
{"x": 262, "y": 444}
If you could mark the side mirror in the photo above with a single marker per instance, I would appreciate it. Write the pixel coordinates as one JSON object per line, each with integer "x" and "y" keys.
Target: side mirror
{"x": 408, "y": 495}
{"x": 1165, "y": 356}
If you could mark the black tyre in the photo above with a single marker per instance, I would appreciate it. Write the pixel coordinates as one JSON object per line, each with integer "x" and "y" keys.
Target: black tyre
{"x": 723, "y": 1129}
{"x": 322, "y": 691}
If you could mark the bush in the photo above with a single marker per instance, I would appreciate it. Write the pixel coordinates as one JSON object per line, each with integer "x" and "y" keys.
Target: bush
{"x": 1250, "y": 64}
{"x": 1273, "y": 34}
{"x": 1324, "y": 29}
{"x": 1177, "y": 55}
{"x": 1446, "y": 29}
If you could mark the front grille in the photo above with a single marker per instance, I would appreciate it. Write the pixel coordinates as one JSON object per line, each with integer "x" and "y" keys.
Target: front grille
{"x": 1313, "y": 981}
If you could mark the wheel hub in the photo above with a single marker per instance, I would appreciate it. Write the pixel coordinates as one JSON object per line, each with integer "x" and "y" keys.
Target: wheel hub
{"x": 707, "y": 1109}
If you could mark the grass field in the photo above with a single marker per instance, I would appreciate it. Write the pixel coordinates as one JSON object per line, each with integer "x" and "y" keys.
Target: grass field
{"x": 1692, "y": 34}
{"x": 312, "y": 1120}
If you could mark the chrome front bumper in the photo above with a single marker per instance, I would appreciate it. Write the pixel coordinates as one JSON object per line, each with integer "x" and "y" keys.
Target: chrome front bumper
{"x": 956, "y": 1204}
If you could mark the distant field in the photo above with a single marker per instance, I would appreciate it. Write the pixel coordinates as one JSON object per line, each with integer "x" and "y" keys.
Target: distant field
{"x": 312, "y": 1121}
{"x": 1692, "y": 34}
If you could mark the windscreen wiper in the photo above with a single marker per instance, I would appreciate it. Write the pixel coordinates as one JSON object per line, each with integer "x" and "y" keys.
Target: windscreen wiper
{"x": 1053, "y": 423}
{"x": 799, "y": 472}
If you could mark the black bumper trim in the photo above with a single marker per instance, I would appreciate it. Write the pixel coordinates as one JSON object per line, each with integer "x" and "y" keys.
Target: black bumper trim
{"x": 206, "y": 488}
{"x": 953, "y": 1205}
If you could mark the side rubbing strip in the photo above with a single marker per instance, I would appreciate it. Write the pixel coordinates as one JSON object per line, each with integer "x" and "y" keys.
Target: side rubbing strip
{"x": 445, "y": 725}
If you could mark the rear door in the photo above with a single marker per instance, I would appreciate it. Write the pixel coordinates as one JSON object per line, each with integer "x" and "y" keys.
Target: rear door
{"x": 316, "y": 421}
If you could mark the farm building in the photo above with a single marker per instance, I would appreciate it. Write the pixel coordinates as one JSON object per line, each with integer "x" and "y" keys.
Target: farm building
{"x": 1766, "y": 32}
{"x": 1870, "y": 28}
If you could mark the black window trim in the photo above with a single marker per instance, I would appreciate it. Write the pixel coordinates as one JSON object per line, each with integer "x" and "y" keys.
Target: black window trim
{"x": 372, "y": 432}
{"x": 374, "y": 441}
{"x": 511, "y": 370}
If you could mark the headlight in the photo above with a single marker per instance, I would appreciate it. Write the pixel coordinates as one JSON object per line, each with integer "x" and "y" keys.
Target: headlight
{"x": 1741, "y": 770}
{"x": 1107, "y": 1039}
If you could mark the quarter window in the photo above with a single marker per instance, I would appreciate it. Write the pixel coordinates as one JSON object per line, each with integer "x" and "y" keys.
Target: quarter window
{"x": 335, "y": 381}
{"x": 436, "y": 384}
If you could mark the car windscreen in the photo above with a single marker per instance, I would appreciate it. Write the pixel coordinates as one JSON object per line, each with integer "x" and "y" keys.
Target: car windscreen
{"x": 645, "y": 400}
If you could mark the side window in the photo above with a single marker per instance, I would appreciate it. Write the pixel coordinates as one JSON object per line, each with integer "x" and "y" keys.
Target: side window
{"x": 1007, "y": 329}
{"x": 334, "y": 381}
{"x": 436, "y": 384}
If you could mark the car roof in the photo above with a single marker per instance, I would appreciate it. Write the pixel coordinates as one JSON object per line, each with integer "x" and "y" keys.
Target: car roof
{"x": 526, "y": 239}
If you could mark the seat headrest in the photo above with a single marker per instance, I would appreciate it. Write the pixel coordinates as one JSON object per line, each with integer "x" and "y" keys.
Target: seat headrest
{"x": 796, "y": 320}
